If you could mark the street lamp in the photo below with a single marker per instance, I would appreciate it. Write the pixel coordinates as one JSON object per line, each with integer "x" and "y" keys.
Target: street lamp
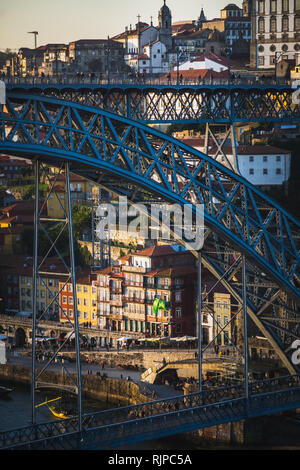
{"x": 179, "y": 54}
{"x": 278, "y": 54}
{"x": 35, "y": 46}
{"x": 35, "y": 37}
{"x": 228, "y": 55}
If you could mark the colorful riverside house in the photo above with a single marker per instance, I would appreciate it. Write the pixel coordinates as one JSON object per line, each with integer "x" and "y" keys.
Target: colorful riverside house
{"x": 150, "y": 293}
{"x": 86, "y": 300}
{"x": 47, "y": 289}
{"x": 82, "y": 191}
{"x": 222, "y": 314}
{"x": 170, "y": 301}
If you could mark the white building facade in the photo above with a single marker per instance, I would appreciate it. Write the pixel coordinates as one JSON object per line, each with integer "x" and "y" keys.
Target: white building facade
{"x": 262, "y": 165}
{"x": 277, "y": 27}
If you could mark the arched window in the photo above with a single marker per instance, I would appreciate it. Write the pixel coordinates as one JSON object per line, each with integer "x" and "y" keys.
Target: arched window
{"x": 285, "y": 23}
{"x": 273, "y": 24}
{"x": 261, "y": 25}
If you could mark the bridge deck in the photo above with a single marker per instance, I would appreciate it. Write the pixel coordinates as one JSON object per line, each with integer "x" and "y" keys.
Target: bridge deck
{"x": 115, "y": 427}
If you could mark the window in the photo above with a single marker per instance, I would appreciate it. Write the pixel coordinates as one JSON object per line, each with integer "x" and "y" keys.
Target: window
{"x": 261, "y": 7}
{"x": 178, "y": 297}
{"x": 278, "y": 171}
{"x": 285, "y": 5}
{"x": 273, "y": 24}
{"x": 278, "y": 158}
{"x": 261, "y": 25}
{"x": 285, "y": 23}
{"x": 265, "y": 171}
{"x": 265, "y": 158}
{"x": 251, "y": 171}
{"x": 273, "y": 6}
{"x": 251, "y": 158}
{"x": 178, "y": 312}
{"x": 64, "y": 299}
{"x": 261, "y": 60}
{"x": 272, "y": 60}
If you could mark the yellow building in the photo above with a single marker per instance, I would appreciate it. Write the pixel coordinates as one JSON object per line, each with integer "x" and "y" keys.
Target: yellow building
{"x": 47, "y": 288}
{"x": 81, "y": 190}
{"x": 222, "y": 315}
{"x": 86, "y": 301}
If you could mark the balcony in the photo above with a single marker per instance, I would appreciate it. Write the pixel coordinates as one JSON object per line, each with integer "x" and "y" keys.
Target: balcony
{"x": 133, "y": 299}
{"x": 116, "y": 290}
{"x": 128, "y": 282}
{"x": 115, "y": 316}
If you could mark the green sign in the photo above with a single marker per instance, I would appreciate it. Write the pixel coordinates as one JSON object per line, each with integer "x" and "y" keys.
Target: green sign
{"x": 158, "y": 305}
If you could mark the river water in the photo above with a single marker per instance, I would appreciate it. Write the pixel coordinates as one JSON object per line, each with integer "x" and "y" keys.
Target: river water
{"x": 15, "y": 412}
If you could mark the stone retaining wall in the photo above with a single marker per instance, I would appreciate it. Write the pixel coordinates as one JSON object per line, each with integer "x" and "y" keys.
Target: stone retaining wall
{"x": 115, "y": 391}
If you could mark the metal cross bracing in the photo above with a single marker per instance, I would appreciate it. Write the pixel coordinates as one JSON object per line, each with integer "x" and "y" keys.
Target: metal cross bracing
{"x": 134, "y": 423}
{"x": 130, "y": 157}
{"x": 158, "y": 104}
{"x": 53, "y": 236}
{"x": 101, "y": 249}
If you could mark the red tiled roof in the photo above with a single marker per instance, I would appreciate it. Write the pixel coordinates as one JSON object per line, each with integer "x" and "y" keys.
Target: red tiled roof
{"x": 198, "y": 74}
{"x": 254, "y": 150}
{"x": 156, "y": 250}
{"x": 173, "y": 271}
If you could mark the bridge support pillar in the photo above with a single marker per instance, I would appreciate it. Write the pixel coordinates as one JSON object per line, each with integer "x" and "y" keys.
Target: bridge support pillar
{"x": 199, "y": 321}
{"x": 54, "y": 232}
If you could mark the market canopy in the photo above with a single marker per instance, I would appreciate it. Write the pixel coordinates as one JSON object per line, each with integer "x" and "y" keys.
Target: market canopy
{"x": 185, "y": 338}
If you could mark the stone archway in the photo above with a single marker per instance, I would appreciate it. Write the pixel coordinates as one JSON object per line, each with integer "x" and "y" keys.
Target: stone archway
{"x": 20, "y": 337}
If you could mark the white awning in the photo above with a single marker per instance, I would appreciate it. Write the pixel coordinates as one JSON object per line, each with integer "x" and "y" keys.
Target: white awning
{"x": 184, "y": 338}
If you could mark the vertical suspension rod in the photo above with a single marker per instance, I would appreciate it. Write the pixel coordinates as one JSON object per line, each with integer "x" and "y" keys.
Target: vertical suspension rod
{"x": 245, "y": 326}
{"x": 34, "y": 290}
{"x": 73, "y": 274}
{"x": 199, "y": 295}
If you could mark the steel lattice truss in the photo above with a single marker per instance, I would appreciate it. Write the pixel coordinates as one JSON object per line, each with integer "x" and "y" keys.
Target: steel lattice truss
{"x": 128, "y": 156}
{"x": 134, "y": 423}
{"x": 184, "y": 103}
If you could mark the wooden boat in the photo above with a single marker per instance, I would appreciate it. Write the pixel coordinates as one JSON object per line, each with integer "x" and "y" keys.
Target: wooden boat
{"x": 58, "y": 414}
{"x": 5, "y": 391}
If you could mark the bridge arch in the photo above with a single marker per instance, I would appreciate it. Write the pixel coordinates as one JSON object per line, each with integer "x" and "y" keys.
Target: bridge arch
{"x": 105, "y": 147}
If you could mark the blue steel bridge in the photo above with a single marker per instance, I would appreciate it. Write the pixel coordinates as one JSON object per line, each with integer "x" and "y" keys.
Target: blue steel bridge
{"x": 251, "y": 244}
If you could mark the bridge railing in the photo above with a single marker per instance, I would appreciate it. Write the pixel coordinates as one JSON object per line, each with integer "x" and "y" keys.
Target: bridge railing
{"x": 269, "y": 393}
{"x": 177, "y": 421}
{"x": 209, "y": 395}
{"x": 74, "y": 80}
